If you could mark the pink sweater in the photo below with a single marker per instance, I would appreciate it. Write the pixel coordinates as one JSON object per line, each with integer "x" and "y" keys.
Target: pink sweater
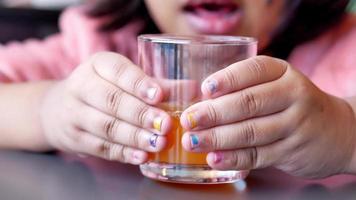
{"x": 329, "y": 61}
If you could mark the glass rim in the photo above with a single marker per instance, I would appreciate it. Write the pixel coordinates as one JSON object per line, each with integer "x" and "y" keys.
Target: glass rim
{"x": 198, "y": 39}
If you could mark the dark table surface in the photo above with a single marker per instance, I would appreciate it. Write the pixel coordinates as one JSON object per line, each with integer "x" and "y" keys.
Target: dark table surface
{"x": 34, "y": 176}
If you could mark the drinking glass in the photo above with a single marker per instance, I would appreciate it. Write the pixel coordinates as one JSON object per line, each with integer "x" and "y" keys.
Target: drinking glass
{"x": 180, "y": 64}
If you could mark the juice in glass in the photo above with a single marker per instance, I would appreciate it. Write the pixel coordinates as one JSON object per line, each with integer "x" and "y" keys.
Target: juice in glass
{"x": 174, "y": 152}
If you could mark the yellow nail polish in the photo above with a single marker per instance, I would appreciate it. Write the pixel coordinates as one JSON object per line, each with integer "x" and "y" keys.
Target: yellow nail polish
{"x": 191, "y": 120}
{"x": 157, "y": 123}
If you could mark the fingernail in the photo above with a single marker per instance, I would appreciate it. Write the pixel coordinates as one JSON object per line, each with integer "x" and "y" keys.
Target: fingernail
{"x": 218, "y": 157}
{"x": 157, "y": 123}
{"x": 137, "y": 156}
{"x": 191, "y": 119}
{"x": 194, "y": 141}
{"x": 151, "y": 93}
{"x": 212, "y": 86}
{"x": 153, "y": 140}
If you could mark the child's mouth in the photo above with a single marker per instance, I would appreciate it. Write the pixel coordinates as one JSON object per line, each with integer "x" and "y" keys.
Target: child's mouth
{"x": 213, "y": 17}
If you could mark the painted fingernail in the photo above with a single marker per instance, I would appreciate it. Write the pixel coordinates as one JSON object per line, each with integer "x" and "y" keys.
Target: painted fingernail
{"x": 137, "y": 156}
{"x": 194, "y": 141}
{"x": 153, "y": 140}
{"x": 157, "y": 123}
{"x": 212, "y": 86}
{"x": 218, "y": 157}
{"x": 151, "y": 93}
{"x": 192, "y": 120}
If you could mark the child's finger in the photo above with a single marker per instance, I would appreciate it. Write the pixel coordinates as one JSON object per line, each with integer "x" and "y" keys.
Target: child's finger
{"x": 246, "y": 159}
{"x": 246, "y": 134}
{"x": 121, "y": 72}
{"x": 113, "y": 101}
{"x": 118, "y": 131}
{"x": 244, "y": 74}
{"x": 249, "y": 103}
{"x": 95, "y": 146}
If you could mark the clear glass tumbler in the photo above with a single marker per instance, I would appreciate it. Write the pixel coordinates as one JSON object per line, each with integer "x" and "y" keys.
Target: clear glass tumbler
{"x": 180, "y": 64}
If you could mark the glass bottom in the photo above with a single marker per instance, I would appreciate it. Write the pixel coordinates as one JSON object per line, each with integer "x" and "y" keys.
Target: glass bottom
{"x": 190, "y": 174}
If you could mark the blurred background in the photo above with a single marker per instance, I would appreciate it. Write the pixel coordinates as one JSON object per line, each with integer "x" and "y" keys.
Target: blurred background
{"x": 352, "y": 6}
{"x": 22, "y": 19}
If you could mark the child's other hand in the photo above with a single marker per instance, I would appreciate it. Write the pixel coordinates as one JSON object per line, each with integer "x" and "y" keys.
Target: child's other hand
{"x": 105, "y": 109}
{"x": 265, "y": 113}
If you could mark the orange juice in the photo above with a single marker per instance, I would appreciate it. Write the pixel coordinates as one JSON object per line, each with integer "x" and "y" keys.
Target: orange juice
{"x": 174, "y": 152}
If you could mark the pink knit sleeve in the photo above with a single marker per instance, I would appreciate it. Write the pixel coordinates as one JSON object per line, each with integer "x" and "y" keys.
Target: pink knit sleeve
{"x": 56, "y": 56}
{"x": 329, "y": 61}
{"x": 34, "y": 60}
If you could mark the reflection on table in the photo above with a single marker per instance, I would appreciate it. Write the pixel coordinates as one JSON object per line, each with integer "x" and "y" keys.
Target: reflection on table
{"x": 50, "y": 176}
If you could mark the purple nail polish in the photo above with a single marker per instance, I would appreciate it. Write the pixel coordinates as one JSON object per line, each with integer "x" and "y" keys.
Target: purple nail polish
{"x": 153, "y": 140}
{"x": 212, "y": 86}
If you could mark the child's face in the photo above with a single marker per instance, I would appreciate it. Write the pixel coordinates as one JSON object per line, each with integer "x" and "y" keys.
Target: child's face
{"x": 256, "y": 18}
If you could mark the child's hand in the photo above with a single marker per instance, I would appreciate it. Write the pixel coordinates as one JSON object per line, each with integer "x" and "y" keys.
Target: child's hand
{"x": 265, "y": 113}
{"x": 104, "y": 109}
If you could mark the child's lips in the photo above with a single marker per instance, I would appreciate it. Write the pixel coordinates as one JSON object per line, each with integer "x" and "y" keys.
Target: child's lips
{"x": 213, "y": 18}
{"x": 212, "y": 23}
